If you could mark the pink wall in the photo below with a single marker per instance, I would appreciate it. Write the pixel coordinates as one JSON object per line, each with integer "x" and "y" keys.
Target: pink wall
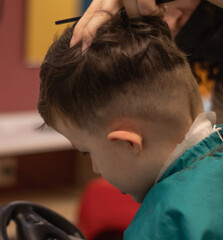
{"x": 18, "y": 84}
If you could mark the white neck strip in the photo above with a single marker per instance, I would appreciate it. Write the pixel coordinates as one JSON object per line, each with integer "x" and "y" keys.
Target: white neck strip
{"x": 202, "y": 127}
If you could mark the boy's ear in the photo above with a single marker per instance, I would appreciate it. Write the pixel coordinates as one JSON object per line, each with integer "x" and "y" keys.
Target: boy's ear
{"x": 134, "y": 139}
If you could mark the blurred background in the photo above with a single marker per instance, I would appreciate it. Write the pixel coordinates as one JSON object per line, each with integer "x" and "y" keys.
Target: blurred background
{"x": 37, "y": 166}
{"x": 27, "y": 29}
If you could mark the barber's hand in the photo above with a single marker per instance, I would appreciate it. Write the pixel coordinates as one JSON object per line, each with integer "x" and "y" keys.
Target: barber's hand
{"x": 92, "y": 19}
{"x": 96, "y": 15}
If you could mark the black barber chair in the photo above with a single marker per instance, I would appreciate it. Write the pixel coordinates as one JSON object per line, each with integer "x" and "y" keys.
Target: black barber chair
{"x": 35, "y": 222}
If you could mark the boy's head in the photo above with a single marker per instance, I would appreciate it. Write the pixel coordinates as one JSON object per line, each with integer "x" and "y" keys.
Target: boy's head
{"x": 127, "y": 100}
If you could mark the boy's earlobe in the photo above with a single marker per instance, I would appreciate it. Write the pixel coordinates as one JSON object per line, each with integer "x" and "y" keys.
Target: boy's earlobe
{"x": 133, "y": 138}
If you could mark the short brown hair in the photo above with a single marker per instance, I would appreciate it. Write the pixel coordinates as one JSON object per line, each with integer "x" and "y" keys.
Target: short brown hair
{"x": 132, "y": 68}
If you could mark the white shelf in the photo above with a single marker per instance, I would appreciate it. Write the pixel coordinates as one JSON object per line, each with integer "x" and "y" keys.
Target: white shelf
{"x": 19, "y": 135}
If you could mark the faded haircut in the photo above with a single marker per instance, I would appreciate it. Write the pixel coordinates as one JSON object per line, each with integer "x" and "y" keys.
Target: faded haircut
{"x": 133, "y": 68}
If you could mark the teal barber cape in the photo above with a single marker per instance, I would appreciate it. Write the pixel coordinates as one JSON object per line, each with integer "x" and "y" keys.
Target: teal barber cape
{"x": 187, "y": 202}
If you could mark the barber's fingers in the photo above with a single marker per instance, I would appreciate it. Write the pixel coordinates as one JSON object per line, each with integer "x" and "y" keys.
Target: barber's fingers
{"x": 83, "y": 22}
{"x": 97, "y": 14}
{"x": 147, "y": 7}
{"x": 94, "y": 17}
{"x": 95, "y": 22}
{"x": 131, "y": 7}
{"x": 136, "y": 8}
{"x": 102, "y": 15}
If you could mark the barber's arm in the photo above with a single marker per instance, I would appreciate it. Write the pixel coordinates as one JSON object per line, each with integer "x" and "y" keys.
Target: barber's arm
{"x": 218, "y": 3}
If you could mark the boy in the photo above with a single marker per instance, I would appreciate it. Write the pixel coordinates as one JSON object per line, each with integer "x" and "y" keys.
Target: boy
{"x": 128, "y": 100}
